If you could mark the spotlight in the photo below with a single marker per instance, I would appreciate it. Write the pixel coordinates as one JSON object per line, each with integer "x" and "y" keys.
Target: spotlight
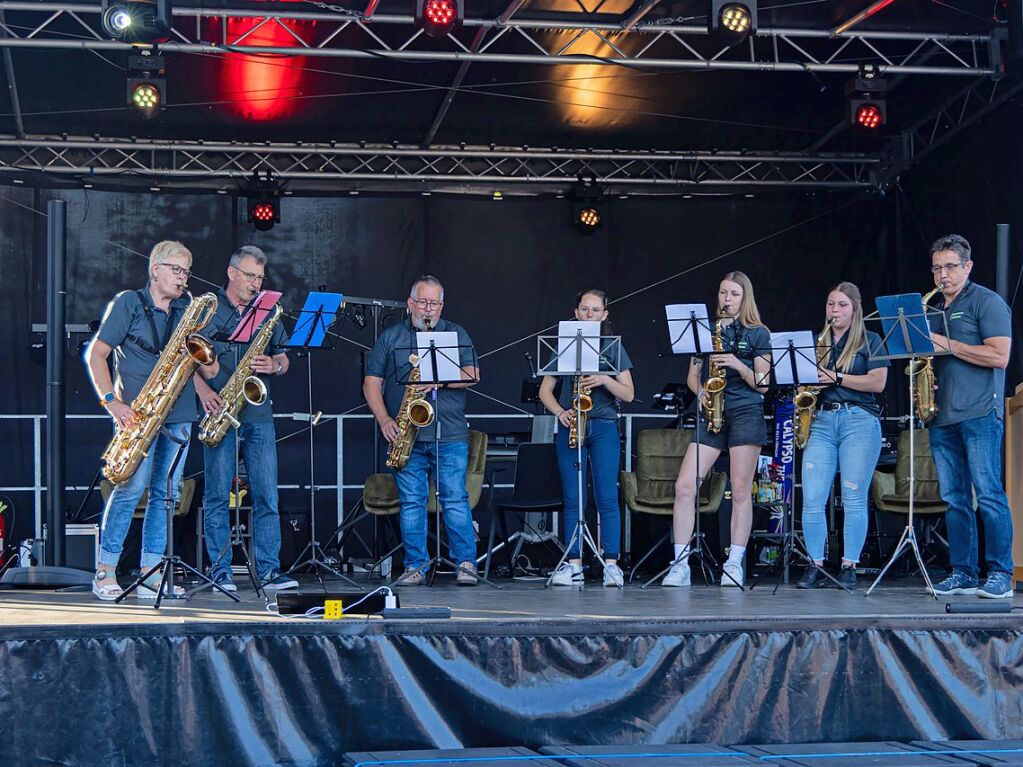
{"x": 141, "y": 22}
{"x": 867, "y": 109}
{"x": 264, "y": 201}
{"x": 732, "y": 22}
{"x": 586, "y": 210}
{"x": 146, "y": 84}
{"x": 438, "y": 18}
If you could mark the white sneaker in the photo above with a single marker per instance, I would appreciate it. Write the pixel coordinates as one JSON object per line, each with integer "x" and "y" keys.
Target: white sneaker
{"x": 567, "y": 575}
{"x": 733, "y": 574}
{"x": 678, "y": 575}
{"x": 613, "y": 575}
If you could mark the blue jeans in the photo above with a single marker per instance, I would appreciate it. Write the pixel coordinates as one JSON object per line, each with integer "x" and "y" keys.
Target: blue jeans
{"x": 152, "y": 475}
{"x": 846, "y": 440}
{"x": 603, "y": 448}
{"x": 259, "y": 452}
{"x": 413, "y": 489}
{"x": 965, "y": 453}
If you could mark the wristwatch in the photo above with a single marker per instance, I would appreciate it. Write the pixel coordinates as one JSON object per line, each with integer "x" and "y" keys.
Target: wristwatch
{"x": 107, "y": 399}
{"x": 838, "y": 379}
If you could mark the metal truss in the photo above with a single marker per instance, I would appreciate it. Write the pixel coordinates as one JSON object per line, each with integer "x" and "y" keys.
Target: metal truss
{"x": 333, "y": 168}
{"x": 575, "y": 39}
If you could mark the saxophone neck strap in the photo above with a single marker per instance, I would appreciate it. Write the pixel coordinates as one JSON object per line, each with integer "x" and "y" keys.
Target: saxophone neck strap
{"x": 147, "y": 307}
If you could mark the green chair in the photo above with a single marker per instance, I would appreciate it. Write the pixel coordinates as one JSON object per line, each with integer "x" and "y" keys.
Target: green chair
{"x": 650, "y": 489}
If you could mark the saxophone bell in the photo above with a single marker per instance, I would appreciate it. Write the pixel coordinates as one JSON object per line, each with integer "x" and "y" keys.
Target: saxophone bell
{"x": 253, "y": 391}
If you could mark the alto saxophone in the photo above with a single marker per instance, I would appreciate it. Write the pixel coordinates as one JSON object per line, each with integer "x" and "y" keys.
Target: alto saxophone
{"x": 924, "y": 383}
{"x": 241, "y": 388}
{"x": 805, "y": 401}
{"x": 714, "y": 409}
{"x": 582, "y": 403}
{"x": 414, "y": 414}
{"x": 185, "y": 351}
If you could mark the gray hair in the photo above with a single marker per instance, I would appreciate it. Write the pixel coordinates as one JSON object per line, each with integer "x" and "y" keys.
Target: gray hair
{"x": 250, "y": 251}
{"x": 955, "y": 243}
{"x": 426, "y": 279}
{"x": 167, "y": 249}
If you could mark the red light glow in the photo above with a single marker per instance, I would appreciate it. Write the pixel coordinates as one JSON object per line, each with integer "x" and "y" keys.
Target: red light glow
{"x": 263, "y": 211}
{"x": 869, "y": 116}
{"x": 440, "y": 13}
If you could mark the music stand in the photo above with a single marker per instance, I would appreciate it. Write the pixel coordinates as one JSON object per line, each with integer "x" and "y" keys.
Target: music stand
{"x": 794, "y": 364}
{"x": 576, "y": 356}
{"x": 314, "y": 321}
{"x": 690, "y": 333}
{"x": 906, "y": 334}
{"x": 439, "y": 364}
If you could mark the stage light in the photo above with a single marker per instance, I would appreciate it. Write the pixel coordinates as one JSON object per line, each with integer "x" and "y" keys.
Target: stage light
{"x": 586, "y": 215}
{"x": 437, "y": 18}
{"x": 264, "y": 201}
{"x": 732, "y": 22}
{"x": 867, "y": 110}
{"x": 146, "y": 84}
{"x": 140, "y": 22}
{"x": 868, "y": 115}
{"x": 589, "y": 218}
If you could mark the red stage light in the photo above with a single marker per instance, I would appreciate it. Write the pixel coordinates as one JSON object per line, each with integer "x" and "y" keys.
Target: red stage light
{"x": 438, "y": 17}
{"x": 869, "y": 116}
{"x": 440, "y": 12}
{"x": 263, "y": 212}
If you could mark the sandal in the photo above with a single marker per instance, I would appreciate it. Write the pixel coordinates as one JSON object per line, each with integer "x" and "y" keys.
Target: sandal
{"x": 106, "y": 592}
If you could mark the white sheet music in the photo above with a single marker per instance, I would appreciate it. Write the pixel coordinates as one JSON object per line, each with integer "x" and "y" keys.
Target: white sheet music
{"x": 680, "y": 328}
{"x": 585, "y": 351}
{"x": 804, "y": 349}
{"x": 448, "y": 370}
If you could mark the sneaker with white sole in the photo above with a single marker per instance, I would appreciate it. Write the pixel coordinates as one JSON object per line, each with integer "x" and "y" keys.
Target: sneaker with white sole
{"x": 567, "y": 575}
{"x": 997, "y": 586}
{"x": 678, "y": 574}
{"x": 957, "y": 582}
{"x": 732, "y": 574}
{"x": 613, "y": 575}
{"x": 275, "y": 580}
{"x": 225, "y": 579}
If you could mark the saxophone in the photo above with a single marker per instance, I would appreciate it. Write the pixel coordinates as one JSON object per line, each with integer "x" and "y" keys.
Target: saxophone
{"x": 714, "y": 409}
{"x": 805, "y": 401}
{"x": 241, "y": 388}
{"x": 185, "y": 351}
{"x": 414, "y": 414}
{"x": 582, "y": 403}
{"x": 922, "y": 372}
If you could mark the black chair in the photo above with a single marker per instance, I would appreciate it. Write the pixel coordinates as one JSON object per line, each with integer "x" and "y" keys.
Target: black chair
{"x": 536, "y": 493}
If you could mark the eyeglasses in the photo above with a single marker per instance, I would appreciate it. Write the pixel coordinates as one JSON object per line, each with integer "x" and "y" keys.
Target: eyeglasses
{"x": 424, "y": 303}
{"x": 176, "y": 270}
{"x": 590, "y": 310}
{"x": 946, "y": 267}
{"x": 249, "y": 275}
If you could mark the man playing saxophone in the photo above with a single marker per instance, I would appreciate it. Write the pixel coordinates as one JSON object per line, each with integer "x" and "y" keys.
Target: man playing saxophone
{"x": 258, "y": 447}
{"x": 966, "y": 433}
{"x": 387, "y": 373}
{"x": 136, "y": 326}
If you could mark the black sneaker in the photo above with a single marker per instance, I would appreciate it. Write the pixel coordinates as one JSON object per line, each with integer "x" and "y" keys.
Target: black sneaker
{"x": 276, "y": 580}
{"x": 847, "y": 577}
{"x": 225, "y": 580}
{"x": 814, "y": 578}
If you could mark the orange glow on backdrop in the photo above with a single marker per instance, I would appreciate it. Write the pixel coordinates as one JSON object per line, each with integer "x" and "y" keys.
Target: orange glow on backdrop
{"x": 261, "y": 88}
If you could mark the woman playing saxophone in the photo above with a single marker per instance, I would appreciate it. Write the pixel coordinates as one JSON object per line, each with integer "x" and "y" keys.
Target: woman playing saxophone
{"x": 846, "y": 434}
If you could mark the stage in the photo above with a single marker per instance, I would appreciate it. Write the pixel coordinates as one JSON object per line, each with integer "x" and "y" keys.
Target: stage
{"x": 218, "y": 682}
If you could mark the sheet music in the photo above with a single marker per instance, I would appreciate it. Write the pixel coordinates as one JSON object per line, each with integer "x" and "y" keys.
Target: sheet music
{"x": 570, "y": 346}
{"x": 680, "y": 328}
{"x": 446, "y": 344}
{"x": 804, "y": 349}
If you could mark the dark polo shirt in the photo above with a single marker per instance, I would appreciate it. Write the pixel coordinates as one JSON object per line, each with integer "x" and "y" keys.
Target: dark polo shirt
{"x": 861, "y": 365}
{"x": 389, "y": 361}
{"x": 747, "y": 344}
{"x": 127, "y": 329}
{"x": 967, "y": 391}
{"x": 603, "y": 400}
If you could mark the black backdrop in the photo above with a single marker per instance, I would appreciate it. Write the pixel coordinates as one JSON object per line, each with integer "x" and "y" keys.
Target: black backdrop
{"x": 510, "y": 269}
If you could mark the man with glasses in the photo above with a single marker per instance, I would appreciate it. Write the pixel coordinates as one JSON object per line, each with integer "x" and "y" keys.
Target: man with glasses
{"x": 966, "y": 434}
{"x": 258, "y": 447}
{"x": 387, "y": 371}
{"x": 136, "y": 327}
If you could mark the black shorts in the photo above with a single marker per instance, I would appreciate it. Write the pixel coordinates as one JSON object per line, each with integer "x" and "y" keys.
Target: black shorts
{"x": 742, "y": 426}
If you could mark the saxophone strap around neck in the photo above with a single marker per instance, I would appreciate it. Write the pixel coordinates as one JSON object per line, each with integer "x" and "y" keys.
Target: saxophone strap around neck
{"x": 158, "y": 345}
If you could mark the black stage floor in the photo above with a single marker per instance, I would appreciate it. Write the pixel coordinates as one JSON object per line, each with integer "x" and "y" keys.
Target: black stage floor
{"x": 212, "y": 682}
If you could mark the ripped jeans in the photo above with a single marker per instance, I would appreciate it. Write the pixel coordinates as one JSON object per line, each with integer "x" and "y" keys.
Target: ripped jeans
{"x": 849, "y": 441}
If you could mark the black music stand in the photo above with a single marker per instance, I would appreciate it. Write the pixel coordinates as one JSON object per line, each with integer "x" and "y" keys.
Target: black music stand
{"x": 606, "y": 350}
{"x": 907, "y": 335}
{"x": 789, "y": 373}
{"x": 444, "y": 354}
{"x": 690, "y": 342}
{"x": 314, "y": 321}
{"x": 253, "y": 315}
{"x": 170, "y": 560}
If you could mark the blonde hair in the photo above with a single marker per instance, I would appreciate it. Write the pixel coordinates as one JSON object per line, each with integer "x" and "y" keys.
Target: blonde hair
{"x": 857, "y": 332}
{"x": 748, "y": 315}
{"x": 167, "y": 249}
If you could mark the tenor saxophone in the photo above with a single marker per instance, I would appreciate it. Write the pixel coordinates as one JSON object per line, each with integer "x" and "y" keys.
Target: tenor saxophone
{"x": 185, "y": 351}
{"x": 582, "y": 403}
{"x": 414, "y": 414}
{"x": 242, "y": 387}
{"x": 805, "y": 401}
{"x": 714, "y": 409}
{"x": 924, "y": 383}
